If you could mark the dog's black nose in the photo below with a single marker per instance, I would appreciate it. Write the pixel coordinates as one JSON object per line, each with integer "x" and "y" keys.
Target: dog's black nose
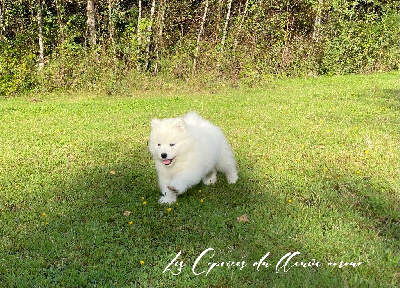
{"x": 164, "y": 155}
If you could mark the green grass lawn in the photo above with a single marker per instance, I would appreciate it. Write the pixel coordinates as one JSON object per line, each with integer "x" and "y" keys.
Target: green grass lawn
{"x": 318, "y": 174}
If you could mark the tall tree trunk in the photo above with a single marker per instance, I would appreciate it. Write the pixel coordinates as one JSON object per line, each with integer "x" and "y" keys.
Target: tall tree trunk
{"x": 317, "y": 22}
{"x": 218, "y": 20}
{"x": 60, "y": 22}
{"x": 240, "y": 25}
{"x": 139, "y": 37}
{"x": 228, "y": 15}
{"x": 286, "y": 37}
{"x": 91, "y": 22}
{"x": 149, "y": 33}
{"x": 196, "y": 55}
{"x": 111, "y": 29}
{"x": 40, "y": 34}
{"x": 2, "y": 28}
{"x": 158, "y": 42}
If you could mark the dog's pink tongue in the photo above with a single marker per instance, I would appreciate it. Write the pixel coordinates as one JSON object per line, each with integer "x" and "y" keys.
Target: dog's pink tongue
{"x": 166, "y": 162}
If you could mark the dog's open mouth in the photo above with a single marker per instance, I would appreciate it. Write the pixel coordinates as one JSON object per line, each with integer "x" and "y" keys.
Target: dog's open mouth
{"x": 168, "y": 162}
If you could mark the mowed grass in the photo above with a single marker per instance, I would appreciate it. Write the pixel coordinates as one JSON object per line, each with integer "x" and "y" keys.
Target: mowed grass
{"x": 318, "y": 174}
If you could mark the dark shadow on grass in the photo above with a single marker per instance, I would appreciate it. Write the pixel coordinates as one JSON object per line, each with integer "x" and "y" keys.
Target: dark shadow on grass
{"x": 367, "y": 197}
{"x": 392, "y": 98}
{"x": 391, "y": 94}
{"x": 106, "y": 220}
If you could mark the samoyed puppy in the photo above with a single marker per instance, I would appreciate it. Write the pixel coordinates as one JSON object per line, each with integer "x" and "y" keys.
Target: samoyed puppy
{"x": 187, "y": 150}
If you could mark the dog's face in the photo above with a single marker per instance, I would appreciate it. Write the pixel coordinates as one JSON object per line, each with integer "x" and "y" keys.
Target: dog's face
{"x": 166, "y": 153}
{"x": 166, "y": 138}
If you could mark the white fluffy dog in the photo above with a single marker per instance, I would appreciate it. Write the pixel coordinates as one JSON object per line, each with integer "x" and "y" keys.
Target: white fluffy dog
{"x": 187, "y": 150}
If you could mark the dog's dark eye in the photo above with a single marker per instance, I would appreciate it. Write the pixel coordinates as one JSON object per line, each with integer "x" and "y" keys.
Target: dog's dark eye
{"x": 172, "y": 144}
{"x": 158, "y": 145}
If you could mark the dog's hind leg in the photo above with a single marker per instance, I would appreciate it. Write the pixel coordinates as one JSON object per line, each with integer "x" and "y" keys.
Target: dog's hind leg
{"x": 210, "y": 178}
{"x": 227, "y": 164}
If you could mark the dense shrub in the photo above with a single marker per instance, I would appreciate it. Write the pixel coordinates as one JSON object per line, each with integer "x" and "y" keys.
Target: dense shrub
{"x": 261, "y": 40}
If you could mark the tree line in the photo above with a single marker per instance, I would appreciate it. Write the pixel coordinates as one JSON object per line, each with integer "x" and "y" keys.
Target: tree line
{"x": 86, "y": 43}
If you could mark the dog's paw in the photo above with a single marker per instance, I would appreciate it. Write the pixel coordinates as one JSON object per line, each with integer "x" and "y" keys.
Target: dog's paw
{"x": 168, "y": 199}
{"x": 232, "y": 177}
{"x": 210, "y": 179}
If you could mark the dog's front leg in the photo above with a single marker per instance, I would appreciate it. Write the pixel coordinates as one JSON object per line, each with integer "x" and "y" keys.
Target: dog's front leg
{"x": 184, "y": 180}
{"x": 168, "y": 196}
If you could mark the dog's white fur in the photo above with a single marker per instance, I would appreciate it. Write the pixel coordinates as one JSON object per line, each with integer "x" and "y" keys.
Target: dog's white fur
{"x": 187, "y": 150}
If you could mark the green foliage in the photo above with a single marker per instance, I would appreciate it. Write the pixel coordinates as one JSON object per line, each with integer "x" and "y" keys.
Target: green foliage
{"x": 269, "y": 39}
{"x": 358, "y": 46}
{"x": 16, "y": 76}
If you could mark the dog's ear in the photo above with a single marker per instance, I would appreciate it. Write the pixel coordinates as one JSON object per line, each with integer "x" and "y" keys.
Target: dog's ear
{"x": 155, "y": 123}
{"x": 180, "y": 123}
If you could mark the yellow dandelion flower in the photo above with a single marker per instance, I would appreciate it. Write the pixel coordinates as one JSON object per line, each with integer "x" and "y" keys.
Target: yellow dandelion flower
{"x": 358, "y": 172}
{"x": 43, "y": 214}
{"x": 366, "y": 151}
{"x": 169, "y": 209}
{"x": 141, "y": 262}
{"x": 201, "y": 200}
{"x": 144, "y": 202}
{"x": 290, "y": 201}
{"x": 325, "y": 169}
{"x": 200, "y": 191}
{"x": 130, "y": 222}
{"x": 142, "y": 198}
